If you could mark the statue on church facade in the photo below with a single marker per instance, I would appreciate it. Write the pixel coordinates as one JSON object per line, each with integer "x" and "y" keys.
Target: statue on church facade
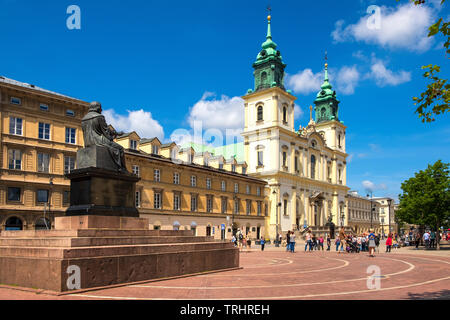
{"x": 100, "y": 150}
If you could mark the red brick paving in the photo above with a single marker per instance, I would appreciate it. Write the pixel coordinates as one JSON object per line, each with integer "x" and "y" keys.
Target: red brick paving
{"x": 277, "y": 274}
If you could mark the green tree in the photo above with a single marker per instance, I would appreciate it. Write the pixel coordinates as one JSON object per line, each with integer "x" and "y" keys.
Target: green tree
{"x": 426, "y": 197}
{"x": 435, "y": 100}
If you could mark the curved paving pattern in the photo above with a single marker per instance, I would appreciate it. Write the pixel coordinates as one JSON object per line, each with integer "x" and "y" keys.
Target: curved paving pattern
{"x": 282, "y": 275}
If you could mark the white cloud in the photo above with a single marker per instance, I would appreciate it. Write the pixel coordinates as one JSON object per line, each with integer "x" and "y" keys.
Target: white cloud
{"x": 305, "y": 82}
{"x": 298, "y": 112}
{"x": 224, "y": 113}
{"x": 138, "y": 120}
{"x": 347, "y": 79}
{"x": 384, "y": 76}
{"x": 403, "y": 27}
{"x": 371, "y": 187}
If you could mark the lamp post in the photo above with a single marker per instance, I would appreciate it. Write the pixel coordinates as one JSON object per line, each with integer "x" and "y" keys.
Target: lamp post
{"x": 232, "y": 215}
{"x": 49, "y": 203}
{"x": 371, "y": 209}
{"x": 389, "y": 201}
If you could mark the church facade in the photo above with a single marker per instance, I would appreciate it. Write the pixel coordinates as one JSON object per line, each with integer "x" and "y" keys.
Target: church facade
{"x": 306, "y": 168}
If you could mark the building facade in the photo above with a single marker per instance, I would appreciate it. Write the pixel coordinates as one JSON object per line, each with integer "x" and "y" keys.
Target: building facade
{"x": 305, "y": 169}
{"x": 364, "y": 213}
{"x": 387, "y": 215}
{"x": 40, "y": 133}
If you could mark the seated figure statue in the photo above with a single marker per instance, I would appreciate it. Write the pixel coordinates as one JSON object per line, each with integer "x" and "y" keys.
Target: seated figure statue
{"x": 97, "y": 134}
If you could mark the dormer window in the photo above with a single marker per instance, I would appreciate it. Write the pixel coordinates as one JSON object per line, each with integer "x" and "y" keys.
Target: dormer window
{"x": 284, "y": 114}
{"x": 43, "y": 107}
{"x": 16, "y": 101}
{"x": 313, "y": 144}
{"x": 155, "y": 150}
{"x": 70, "y": 113}
{"x": 133, "y": 144}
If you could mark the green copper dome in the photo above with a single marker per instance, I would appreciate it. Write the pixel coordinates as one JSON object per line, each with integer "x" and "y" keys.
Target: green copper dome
{"x": 327, "y": 105}
{"x": 269, "y": 66}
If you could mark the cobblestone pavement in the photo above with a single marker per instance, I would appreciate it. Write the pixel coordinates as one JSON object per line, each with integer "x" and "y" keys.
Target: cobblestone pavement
{"x": 276, "y": 274}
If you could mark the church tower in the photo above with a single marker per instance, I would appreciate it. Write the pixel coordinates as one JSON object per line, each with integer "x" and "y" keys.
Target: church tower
{"x": 326, "y": 115}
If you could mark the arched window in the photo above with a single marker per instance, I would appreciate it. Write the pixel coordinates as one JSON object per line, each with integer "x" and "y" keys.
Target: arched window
{"x": 322, "y": 113}
{"x": 284, "y": 114}
{"x": 263, "y": 78}
{"x": 13, "y": 223}
{"x": 313, "y": 167}
{"x": 260, "y": 113}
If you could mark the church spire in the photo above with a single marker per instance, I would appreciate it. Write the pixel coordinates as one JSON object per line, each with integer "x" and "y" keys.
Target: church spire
{"x": 326, "y": 101}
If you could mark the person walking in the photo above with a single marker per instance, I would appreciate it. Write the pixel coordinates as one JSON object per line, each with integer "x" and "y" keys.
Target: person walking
{"x": 321, "y": 243}
{"x": 292, "y": 241}
{"x": 234, "y": 241}
{"x": 262, "y": 242}
{"x": 432, "y": 239}
{"x": 359, "y": 242}
{"x": 249, "y": 241}
{"x": 389, "y": 242}
{"x": 288, "y": 240}
{"x": 328, "y": 242}
{"x": 337, "y": 242}
{"x": 417, "y": 238}
{"x": 377, "y": 243}
{"x": 342, "y": 238}
{"x": 308, "y": 240}
{"x": 426, "y": 239}
{"x": 372, "y": 244}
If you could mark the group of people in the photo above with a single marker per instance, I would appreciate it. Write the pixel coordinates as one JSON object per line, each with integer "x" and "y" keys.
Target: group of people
{"x": 290, "y": 241}
{"x": 242, "y": 241}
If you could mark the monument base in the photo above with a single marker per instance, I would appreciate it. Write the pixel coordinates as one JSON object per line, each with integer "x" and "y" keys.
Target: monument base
{"x": 91, "y": 251}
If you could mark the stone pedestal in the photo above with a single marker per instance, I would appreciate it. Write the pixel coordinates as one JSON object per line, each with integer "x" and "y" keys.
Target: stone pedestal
{"x": 95, "y": 191}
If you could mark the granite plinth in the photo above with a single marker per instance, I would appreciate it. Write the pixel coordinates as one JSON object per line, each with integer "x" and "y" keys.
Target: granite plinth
{"x": 95, "y": 157}
{"x": 100, "y": 222}
{"x": 106, "y": 256}
{"x": 95, "y": 191}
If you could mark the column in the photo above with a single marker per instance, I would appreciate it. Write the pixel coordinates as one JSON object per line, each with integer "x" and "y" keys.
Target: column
{"x": 294, "y": 207}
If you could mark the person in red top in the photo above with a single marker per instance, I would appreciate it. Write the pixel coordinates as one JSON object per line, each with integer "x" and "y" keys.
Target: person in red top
{"x": 389, "y": 243}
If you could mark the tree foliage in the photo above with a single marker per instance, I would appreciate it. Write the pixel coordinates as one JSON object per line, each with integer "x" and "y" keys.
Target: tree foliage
{"x": 435, "y": 100}
{"x": 426, "y": 197}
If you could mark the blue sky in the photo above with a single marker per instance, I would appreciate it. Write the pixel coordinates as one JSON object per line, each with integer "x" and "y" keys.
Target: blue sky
{"x": 157, "y": 66}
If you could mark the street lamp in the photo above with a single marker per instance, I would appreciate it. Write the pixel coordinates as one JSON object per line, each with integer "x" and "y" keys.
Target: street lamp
{"x": 232, "y": 215}
{"x": 276, "y": 225}
{"x": 49, "y": 203}
{"x": 371, "y": 209}
{"x": 389, "y": 201}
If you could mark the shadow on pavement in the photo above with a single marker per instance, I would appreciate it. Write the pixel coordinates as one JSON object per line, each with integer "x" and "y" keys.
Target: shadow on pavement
{"x": 439, "y": 295}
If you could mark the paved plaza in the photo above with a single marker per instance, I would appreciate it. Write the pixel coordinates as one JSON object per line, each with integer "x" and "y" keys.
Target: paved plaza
{"x": 276, "y": 274}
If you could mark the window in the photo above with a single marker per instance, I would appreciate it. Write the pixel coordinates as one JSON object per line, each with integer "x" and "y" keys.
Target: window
{"x": 133, "y": 144}
{"x": 15, "y": 126}
{"x": 247, "y": 189}
{"x": 69, "y": 164}
{"x": 224, "y": 204}
{"x": 176, "y": 201}
{"x": 43, "y": 162}
{"x": 136, "y": 170}
{"x": 220, "y": 166}
{"x": 70, "y": 135}
{"x": 284, "y": 158}
{"x": 138, "y": 199}
{"x": 44, "y": 131}
{"x": 236, "y": 206}
{"x": 43, "y": 107}
{"x": 206, "y": 159}
{"x": 249, "y": 207}
{"x": 339, "y": 141}
{"x": 260, "y": 113}
{"x": 224, "y": 186}
{"x": 285, "y": 203}
{"x": 190, "y": 157}
{"x": 208, "y": 183}
{"x": 296, "y": 164}
{"x": 66, "y": 197}
{"x": 259, "y": 208}
{"x": 313, "y": 167}
{"x": 284, "y": 114}
{"x": 260, "y": 158}
{"x": 236, "y": 188}
{"x": 13, "y": 194}
{"x": 70, "y": 113}
{"x": 157, "y": 200}
{"x": 233, "y": 168}
{"x": 14, "y": 159}
{"x": 176, "y": 178}
{"x": 193, "y": 181}
{"x": 155, "y": 150}
{"x": 157, "y": 175}
{"x": 340, "y": 176}
{"x": 258, "y": 191}
{"x": 329, "y": 172}
{"x": 244, "y": 170}
{"x": 42, "y": 196}
{"x": 209, "y": 203}
{"x": 15, "y": 100}
{"x": 193, "y": 202}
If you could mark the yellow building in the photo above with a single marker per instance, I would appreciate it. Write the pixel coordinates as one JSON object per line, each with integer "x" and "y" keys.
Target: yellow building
{"x": 306, "y": 168}
{"x": 40, "y": 133}
{"x": 364, "y": 213}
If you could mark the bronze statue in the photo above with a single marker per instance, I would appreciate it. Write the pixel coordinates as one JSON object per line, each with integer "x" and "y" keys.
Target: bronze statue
{"x": 97, "y": 133}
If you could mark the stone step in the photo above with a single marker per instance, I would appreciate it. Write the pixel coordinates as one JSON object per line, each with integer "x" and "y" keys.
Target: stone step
{"x": 98, "y": 241}
{"x": 92, "y": 233}
{"x": 102, "y": 251}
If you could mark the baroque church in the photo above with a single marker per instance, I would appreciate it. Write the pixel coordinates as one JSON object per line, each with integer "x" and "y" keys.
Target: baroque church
{"x": 306, "y": 168}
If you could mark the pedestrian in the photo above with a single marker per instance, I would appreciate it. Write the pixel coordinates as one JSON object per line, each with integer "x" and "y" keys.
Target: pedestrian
{"x": 426, "y": 239}
{"x": 240, "y": 239}
{"x": 417, "y": 239}
{"x": 359, "y": 243}
{"x": 292, "y": 241}
{"x": 377, "y": 243}
{"x": 307, "y": 240}
{"x": 288, "y": 240}
{"x": 233, "y": 240}
{"x": 389, "y": 242}
{"x": 432, "y": 239}
{"x": 262, "y": 242}
{"x": 328, "y": 242}
{"x": 321, "y": 243}
{"x": 337, "y": 242}
{"x": 372, "y": 244}
{"x": 249, "y": 241}
{"x": 363, "y": 243}
{"x": 314, "y": 241}
{"x": 342, "y": 238}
